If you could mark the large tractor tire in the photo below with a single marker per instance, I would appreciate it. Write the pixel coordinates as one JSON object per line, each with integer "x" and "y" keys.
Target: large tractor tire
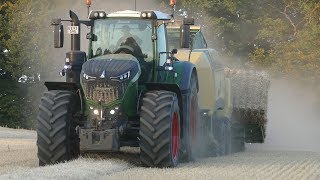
{"x": 159, "y": 129}
{"x": 57, "y": 139}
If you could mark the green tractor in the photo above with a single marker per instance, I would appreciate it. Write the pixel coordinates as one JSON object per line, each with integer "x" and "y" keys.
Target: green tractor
{"x": 128, "y": 91}
{"x": 131, "y": 89}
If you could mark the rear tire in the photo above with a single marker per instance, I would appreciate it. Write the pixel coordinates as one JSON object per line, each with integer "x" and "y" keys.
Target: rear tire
{"x": 57, "y": 139}
{"x": 193, "y": 132}
{"x": 159, "y": 129}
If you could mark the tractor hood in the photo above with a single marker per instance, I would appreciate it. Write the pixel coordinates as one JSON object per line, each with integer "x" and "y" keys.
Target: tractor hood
{"x": 106, "y": 78}
{"x": 111, "y": 66}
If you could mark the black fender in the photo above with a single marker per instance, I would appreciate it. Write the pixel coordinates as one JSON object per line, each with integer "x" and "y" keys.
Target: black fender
{"x": 173, "y": 88}
{"x": 68, "y": 86}
{"x": 187, "y": 70}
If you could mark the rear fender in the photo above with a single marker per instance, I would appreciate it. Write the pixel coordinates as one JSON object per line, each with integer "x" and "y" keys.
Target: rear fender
{"x": 185, "y": 70}
{"x": 61, "y": 86}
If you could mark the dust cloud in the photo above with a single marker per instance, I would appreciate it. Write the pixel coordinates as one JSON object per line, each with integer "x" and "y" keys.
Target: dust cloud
{"x": 293, "y": 117}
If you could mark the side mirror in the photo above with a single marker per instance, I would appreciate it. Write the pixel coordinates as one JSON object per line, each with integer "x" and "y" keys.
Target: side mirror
{"x": 185, "y": 36}
{"x": 57, "y": 33}
{"x": 58, "y": 36}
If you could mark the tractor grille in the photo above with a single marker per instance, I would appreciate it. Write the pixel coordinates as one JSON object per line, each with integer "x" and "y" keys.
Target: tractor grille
{"x": 104, "y": 91}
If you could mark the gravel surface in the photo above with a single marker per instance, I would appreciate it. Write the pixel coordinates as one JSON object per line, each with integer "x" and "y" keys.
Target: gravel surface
{"x": 19, "y": 161}
{"x": 17, "y": 133}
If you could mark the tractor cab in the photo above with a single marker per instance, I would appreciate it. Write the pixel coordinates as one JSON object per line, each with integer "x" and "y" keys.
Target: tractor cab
{"x": 141, "y": 34}
{"x": 131, "y": 32}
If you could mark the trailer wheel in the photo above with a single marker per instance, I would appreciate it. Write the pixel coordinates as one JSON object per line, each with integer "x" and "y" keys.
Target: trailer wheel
{"x": 223, "y": 134}
{"x": 57, "y": 139}
{"x": 159, "y": 129}
{"x": 237, "y": 137}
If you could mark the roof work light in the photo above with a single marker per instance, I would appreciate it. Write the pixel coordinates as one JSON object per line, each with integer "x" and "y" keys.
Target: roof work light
{"x": 173, "y": 2}
{"x": 88, "y": 2}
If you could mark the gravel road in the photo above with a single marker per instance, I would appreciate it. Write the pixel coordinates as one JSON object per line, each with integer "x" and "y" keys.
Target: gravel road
{"x": 19, "y": 161}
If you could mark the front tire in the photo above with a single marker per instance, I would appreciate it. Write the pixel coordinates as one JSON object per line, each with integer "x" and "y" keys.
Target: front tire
{"x": 57, "y": 139}
{"x": 159, "y": 129}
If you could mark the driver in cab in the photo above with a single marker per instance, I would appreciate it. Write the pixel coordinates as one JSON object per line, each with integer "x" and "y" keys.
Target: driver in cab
{"x": 127, "y": 34}
{"x": 129, "y": 43}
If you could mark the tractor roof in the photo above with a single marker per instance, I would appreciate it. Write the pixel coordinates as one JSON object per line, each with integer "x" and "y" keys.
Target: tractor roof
{"x": 129, "y": 13}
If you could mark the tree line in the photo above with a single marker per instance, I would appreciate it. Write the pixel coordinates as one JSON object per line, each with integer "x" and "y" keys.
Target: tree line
{"x": 282, "y": 36}
{"x": 24, "y": 32}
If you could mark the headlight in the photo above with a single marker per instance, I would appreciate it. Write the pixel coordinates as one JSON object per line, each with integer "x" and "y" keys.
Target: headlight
{"x": 112, "y": 111}
{"x": 96, "y": 112}
{"x": 121, "y": 77}
{"x": 87, "y": 77}
{"x": 67, "y": 67}
{"x": 148, "y": 15}
{"x": 95, "y": 14}
{"x": 102, "y": 14}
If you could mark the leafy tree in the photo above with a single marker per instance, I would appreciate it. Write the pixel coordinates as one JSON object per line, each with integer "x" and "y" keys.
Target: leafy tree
{"x": 24, "y": 29}
{"x": 280, "y": 36}
{"x": 27, "y": 27}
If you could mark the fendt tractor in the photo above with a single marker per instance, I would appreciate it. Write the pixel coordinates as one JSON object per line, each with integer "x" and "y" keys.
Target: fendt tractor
{"x": 147, "y": 81}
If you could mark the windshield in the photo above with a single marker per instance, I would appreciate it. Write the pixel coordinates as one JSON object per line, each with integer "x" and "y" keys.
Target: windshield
{"x": 132, "y": 34}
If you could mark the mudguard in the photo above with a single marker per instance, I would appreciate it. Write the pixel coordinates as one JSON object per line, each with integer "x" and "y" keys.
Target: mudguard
{"x": 186, "y": 69}
{"x": 68, "y": 86}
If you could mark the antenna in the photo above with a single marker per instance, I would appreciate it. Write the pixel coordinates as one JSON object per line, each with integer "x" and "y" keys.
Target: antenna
{"x": 135, "y": 5}
{"x": 88, "y": 3}
{"x": 173, "y": 7}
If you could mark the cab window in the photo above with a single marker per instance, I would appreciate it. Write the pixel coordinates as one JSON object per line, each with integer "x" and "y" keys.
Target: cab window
{"x": 161, "y": 43}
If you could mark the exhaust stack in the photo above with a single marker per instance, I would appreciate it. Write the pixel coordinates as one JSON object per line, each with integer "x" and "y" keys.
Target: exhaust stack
{"x": 75, "y": 38}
